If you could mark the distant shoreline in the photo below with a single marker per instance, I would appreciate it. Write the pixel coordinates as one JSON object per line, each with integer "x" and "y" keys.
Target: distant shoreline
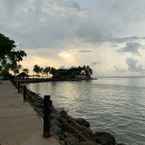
{"x": 37, "y": 80}
{"x": 121, "y": 77}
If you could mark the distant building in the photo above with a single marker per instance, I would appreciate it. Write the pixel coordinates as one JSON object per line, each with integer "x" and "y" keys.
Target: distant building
{"x": 22, "y": 75}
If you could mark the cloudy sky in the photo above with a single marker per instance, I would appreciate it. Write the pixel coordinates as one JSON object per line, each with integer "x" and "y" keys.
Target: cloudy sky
{"x": 109, "y": 35}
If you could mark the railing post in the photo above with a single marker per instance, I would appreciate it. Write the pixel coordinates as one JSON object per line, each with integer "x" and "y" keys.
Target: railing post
{"x": 18, "y": 86}
{"x": 24, "y": 93}
{"x": 46, "y": 118}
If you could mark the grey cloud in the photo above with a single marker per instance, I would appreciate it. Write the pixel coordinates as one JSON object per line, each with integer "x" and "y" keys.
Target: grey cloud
{"x": 31, "y": 32}
{"x": 117, "y": 69}
{"x": 38, "y": 24}
{"x": 131, "y": 47}
{"x": 110, "y": 20}
{"x": 126, "y": 39}
{"x": 11, "y": 6}
{"x": 134, "y": 66}
{"x": 72, "y": 4}
{"x": 51, "y": 23}
{"x": 95, "y": 63}
{"x": 85, "y": 51}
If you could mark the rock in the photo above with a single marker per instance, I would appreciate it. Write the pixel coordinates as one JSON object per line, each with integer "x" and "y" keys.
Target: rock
{"x": 121, "y": 144}
{"x": 70, "y": 139}
{"x": 104, "y": 138}
{"x": 55, "y": 128}
{"x": 83, "y": 122}
{"x": 88, "y": 143}
{"x": 63, "y": 113}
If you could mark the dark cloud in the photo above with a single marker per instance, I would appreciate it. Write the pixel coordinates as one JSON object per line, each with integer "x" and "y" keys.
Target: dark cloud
{"x": 131, "y": 47}
{"x": 134, "y": 66}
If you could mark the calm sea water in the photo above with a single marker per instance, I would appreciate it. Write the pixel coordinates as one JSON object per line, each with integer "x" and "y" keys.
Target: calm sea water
{"x": 116, "y": 105}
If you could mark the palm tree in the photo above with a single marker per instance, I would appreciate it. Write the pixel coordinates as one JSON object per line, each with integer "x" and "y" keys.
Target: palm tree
{"x": 46, "y": 70}
{"x": 88, "y": 71}
{"x": 52, "y": 71}
{"x": 37, "y": 69}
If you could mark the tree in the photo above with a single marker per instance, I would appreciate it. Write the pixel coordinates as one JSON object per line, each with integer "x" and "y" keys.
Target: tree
{"x": 46, "y": 70}
{"x": 26, "y": 70}
{"x": 9, "y": 56}
{"x": 88, "y": 71}
{"x": 76, "y": 73}
{"x": 37, "y": 69}
{"x": 15, "y": 68}
{"x": 52, "y": 71}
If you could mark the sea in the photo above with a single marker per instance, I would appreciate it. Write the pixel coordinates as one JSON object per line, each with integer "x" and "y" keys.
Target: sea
{"x": 115, "y": 105}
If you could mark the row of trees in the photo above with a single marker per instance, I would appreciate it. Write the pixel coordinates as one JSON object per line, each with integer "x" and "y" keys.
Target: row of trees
{"x": 43, "y": 70}
{"x": 80, "y": 72}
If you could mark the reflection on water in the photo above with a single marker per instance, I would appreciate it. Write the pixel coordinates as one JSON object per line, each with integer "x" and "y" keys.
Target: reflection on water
{"x": 115, "y": 105}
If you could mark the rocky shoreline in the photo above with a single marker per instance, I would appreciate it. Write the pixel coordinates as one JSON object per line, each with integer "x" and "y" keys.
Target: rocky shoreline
{"x": 69, "y": 130}
{"x": 77, "y": 131}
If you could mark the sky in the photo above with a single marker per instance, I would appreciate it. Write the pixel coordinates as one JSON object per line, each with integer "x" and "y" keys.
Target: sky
{"x": 108, "y": 35}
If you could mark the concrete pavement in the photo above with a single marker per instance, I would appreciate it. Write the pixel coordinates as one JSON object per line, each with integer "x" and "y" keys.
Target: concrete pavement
{"x": 19, "y": 124}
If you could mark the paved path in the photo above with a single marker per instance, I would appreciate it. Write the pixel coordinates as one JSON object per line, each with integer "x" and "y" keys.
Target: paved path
{"x": 19, "y": 124}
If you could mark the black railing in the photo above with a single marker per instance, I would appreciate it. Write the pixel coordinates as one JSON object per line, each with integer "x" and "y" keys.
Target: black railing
{"x": 43, "y": 106}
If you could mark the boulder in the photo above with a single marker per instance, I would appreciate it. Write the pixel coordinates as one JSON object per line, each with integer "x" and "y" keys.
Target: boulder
{"x": 83, "y": 122}
{"x": 70, "y": 139}
{"x": 104, "y": 138}
{"x": 63, "y": 113}
{"x": 88, "y": 143}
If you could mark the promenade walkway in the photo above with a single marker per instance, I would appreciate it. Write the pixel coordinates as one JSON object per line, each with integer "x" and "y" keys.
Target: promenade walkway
{"x": 19, "y": 124}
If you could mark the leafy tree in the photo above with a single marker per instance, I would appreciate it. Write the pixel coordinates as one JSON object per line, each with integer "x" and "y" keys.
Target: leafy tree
{"x": 26, "y": 70}
{"x": 15, "y": 68}
{"x": 9, "y": 56}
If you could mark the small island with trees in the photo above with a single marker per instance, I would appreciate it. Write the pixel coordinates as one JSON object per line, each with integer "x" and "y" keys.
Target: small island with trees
{"x": 72, "y": 73}
{"x": 11, "y": 56}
